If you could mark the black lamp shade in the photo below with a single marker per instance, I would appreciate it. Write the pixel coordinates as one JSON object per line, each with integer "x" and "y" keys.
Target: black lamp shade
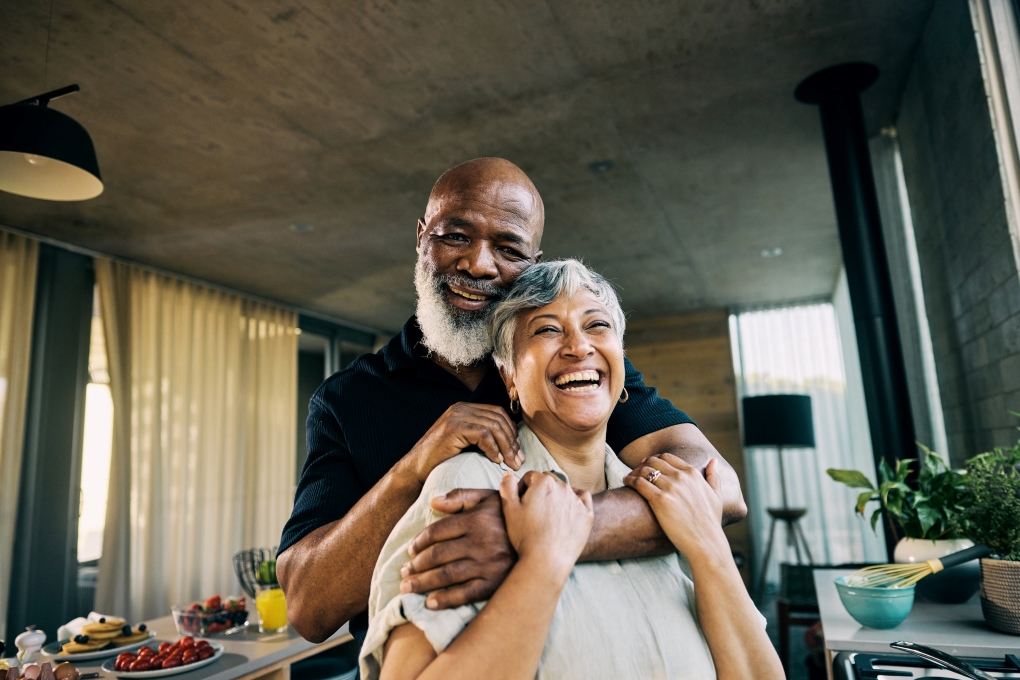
{"x": 46, "y": 154}
{"x": 778, "y": 420}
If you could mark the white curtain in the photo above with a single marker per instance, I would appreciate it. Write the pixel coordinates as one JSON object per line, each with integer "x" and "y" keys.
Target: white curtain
{"x": 204, "y": 386}
{"x": 19, "y": 257}
{"x": 797, "y": 350}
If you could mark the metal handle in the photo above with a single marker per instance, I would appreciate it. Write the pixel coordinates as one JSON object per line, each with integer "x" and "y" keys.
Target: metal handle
{"x": 942, "y": 660}
{"x": 965, "y": 555}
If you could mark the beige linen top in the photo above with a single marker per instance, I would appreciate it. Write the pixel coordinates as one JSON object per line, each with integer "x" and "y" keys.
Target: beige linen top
{"x": 633, "y": 618}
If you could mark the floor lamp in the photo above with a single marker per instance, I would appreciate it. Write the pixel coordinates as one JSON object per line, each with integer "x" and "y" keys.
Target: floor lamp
{"x": 780, "y": 420}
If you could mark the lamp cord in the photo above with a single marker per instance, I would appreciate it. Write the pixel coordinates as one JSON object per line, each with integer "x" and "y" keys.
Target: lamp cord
{"x": 46, "y": 61}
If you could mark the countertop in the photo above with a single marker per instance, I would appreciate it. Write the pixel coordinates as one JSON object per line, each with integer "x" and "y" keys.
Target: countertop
{"x": 958, "y": 629}
{"x": 243, "y": 653}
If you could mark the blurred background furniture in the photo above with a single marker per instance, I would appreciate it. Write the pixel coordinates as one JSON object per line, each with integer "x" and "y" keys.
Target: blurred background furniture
{"x": 780, "y": 420}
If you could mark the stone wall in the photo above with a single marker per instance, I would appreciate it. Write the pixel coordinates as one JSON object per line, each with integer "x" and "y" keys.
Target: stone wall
{"x": 969, "y": 272}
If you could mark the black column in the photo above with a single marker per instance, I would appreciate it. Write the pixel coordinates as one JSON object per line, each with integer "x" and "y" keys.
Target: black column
{"x": 45, "y": 558}
{"x": 836, "y": 91}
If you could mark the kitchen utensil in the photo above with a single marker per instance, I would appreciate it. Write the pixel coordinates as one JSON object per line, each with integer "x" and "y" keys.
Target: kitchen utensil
{"x": 108, "y": 666}
{"x": 879, "y": 608}
{"x": 941, "y": 659}
{"x": 903, "y": 575}
{"x": 256, "y": 567}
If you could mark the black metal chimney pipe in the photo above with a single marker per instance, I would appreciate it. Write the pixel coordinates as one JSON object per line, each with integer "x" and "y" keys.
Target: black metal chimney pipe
{"x": 836, "y": 90}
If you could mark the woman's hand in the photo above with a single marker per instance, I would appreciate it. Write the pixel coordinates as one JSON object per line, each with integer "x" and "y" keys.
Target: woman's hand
{"x": 687, "y": 504}
{"x": 546, "y": 520}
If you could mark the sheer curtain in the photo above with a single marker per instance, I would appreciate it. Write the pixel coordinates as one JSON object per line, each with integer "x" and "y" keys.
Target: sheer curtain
{"x": 204, "y": 386}
{"x": 19, "y": 257}
{"x": 798, "y": 350}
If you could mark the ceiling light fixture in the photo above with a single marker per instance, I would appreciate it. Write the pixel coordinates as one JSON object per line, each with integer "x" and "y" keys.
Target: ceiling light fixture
{"x": 46, "y": 154}
{"x": 772, "y": 252}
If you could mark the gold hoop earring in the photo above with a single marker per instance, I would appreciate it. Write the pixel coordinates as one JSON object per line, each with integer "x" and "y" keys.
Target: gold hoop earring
{"x": 515, "y": 406}
{"x": 625, "y": 397}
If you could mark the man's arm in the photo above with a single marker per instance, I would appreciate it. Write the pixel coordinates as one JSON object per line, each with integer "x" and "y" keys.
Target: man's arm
{"x": 624, "y": 524}
{"x": 688, "y": 443}
{"x": 327, "y": 574}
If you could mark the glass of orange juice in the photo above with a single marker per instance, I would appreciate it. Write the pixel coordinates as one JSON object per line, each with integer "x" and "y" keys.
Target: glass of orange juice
{"x": 272, "y": 608}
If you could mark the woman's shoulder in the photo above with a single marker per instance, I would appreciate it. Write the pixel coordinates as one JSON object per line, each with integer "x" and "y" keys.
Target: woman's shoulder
{"x": 465, "y": 470}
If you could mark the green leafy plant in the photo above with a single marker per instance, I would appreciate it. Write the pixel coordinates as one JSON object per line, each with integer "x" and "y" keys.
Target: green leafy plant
{"x": 993, "y": 515}
{"x": 934, "y": 510}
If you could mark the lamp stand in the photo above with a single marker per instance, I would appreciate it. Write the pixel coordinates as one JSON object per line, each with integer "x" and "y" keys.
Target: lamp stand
{"x": 794, "y": 533}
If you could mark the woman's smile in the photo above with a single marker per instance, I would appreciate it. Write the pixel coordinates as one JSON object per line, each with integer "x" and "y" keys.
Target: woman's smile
{"x": 579, "y": 381}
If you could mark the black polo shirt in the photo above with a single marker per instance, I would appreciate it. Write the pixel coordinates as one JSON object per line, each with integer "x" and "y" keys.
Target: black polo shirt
{"x": 365, "y": 418}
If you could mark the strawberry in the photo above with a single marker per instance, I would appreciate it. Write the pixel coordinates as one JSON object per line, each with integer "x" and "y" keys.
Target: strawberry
{"x": 213, "y": 603}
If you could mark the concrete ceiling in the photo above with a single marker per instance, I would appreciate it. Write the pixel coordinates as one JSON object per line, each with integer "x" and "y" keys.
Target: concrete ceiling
{"x": 221, "y": 124}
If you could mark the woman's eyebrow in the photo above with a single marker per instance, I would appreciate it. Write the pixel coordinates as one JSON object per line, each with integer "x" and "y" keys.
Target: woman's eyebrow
{"x": 542, "y": 316}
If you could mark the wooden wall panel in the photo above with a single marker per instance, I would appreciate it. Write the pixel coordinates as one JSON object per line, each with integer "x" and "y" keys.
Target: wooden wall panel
{"x": 688, "y": 359}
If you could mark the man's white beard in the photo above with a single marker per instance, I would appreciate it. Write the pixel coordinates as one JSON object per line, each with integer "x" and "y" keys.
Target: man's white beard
{"x": 457, "y": 335}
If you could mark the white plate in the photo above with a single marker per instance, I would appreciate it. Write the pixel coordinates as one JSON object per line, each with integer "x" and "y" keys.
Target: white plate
{"x": 53, "y": 650}
{"x": 163, "y": 672}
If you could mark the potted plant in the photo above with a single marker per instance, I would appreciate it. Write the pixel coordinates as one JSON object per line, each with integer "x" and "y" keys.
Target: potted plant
{"x": 993, "y": 518}
{"x": 928, "y": 520}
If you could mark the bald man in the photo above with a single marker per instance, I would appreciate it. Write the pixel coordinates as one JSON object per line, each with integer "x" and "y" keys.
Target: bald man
{"x": 377, "y": 428}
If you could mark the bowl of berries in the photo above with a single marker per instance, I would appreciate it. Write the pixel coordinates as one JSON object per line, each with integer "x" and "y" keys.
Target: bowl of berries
{"x": 215, "y": 615}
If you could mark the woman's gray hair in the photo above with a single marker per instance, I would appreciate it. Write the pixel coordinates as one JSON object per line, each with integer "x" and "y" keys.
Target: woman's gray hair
{"x": 538, "y": 286}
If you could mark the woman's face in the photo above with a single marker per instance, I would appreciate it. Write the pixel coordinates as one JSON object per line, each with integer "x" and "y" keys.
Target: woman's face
{"x": 569, "y": 364}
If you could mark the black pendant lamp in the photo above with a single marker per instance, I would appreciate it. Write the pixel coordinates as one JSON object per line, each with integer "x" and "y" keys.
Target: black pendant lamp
{"x": 45, "y": 153}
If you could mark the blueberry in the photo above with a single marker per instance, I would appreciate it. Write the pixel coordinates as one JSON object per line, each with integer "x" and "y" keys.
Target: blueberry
{"x": 142, "y": 627}
{"x": 102, "y": 620}
{"x": 126, "y": 630}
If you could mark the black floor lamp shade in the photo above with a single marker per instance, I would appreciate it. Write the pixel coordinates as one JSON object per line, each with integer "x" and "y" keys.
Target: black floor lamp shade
{"x": 778, "y": 420}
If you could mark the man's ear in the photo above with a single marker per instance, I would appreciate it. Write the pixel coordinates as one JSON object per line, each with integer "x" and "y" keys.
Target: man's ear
{"x": 420, "y": 234}
{"x": 538, "y": 257}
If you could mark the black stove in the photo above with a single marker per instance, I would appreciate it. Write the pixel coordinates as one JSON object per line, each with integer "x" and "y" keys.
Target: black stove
{"x": 866, "y": 666}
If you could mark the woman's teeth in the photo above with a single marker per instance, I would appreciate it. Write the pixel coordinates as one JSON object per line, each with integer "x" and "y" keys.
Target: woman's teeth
{"x": 588, "y": 381}
{"x": 467, "y": 295}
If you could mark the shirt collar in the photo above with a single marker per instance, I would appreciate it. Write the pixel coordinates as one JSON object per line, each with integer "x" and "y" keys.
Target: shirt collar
{"x": 538, "y": 458}
{"x": 406, "y": 351}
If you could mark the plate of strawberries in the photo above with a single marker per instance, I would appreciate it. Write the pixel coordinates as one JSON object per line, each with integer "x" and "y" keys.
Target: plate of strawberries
{"x": 183, "y": 656}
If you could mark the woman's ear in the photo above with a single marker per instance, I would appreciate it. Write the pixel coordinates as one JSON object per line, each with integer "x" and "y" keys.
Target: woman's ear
{"x": 508, "y": 380}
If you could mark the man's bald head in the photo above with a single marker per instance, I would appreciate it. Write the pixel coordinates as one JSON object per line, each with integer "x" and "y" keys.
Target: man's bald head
{"x": 495, "y": 182}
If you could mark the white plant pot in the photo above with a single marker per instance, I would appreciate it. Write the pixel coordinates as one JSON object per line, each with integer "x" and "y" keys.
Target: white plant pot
{"x": 952, "y": 586}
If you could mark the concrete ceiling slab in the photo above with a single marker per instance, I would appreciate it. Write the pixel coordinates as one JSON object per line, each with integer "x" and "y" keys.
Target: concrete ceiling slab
{"x": 219, "y": 125}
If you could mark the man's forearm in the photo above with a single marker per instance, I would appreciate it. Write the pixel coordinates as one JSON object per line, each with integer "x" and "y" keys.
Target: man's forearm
{"x": 624, "y": 528}
{"x": 688, "y": 443}
{"x": 327, "y": 575}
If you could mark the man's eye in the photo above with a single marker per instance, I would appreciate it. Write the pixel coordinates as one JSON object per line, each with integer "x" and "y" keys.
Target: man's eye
{"x": 460, "y": 238}
{"x": 515, "y": 254}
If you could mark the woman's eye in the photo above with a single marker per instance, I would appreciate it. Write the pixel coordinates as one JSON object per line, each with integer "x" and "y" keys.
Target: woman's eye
{"x": 545, "y": 330}
{"x": 600, "y": 324}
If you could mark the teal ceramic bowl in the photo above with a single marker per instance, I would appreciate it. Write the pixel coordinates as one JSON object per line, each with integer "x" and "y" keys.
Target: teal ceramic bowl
{"x": 880, "y": 608}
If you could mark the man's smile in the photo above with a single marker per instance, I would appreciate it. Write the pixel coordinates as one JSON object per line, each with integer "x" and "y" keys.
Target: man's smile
{"x": 468, "y": 294}
{"x": 468, "y": 298}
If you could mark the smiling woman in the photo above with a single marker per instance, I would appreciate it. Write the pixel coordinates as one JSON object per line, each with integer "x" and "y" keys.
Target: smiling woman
{"x": 558, "y": 342}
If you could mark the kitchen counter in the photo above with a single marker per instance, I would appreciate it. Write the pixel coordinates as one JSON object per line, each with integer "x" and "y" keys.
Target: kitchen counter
{"x": 958, "y": 629}
{"x": 246, "y": 655}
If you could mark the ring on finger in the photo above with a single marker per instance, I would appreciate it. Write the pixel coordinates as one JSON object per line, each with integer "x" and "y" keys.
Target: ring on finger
{"x": 654, "y": 475}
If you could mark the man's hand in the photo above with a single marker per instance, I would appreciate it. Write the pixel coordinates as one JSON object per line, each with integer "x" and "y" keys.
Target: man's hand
{"x": 463, "y": 557}
{"x": 464, "y": 425}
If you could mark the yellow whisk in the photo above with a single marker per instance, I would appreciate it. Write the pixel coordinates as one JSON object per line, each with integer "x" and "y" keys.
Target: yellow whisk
{"x": 906, "y": 575}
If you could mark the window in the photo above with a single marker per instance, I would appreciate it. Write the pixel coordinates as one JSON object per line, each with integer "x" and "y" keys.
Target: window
{"x": 97, "y": 441}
